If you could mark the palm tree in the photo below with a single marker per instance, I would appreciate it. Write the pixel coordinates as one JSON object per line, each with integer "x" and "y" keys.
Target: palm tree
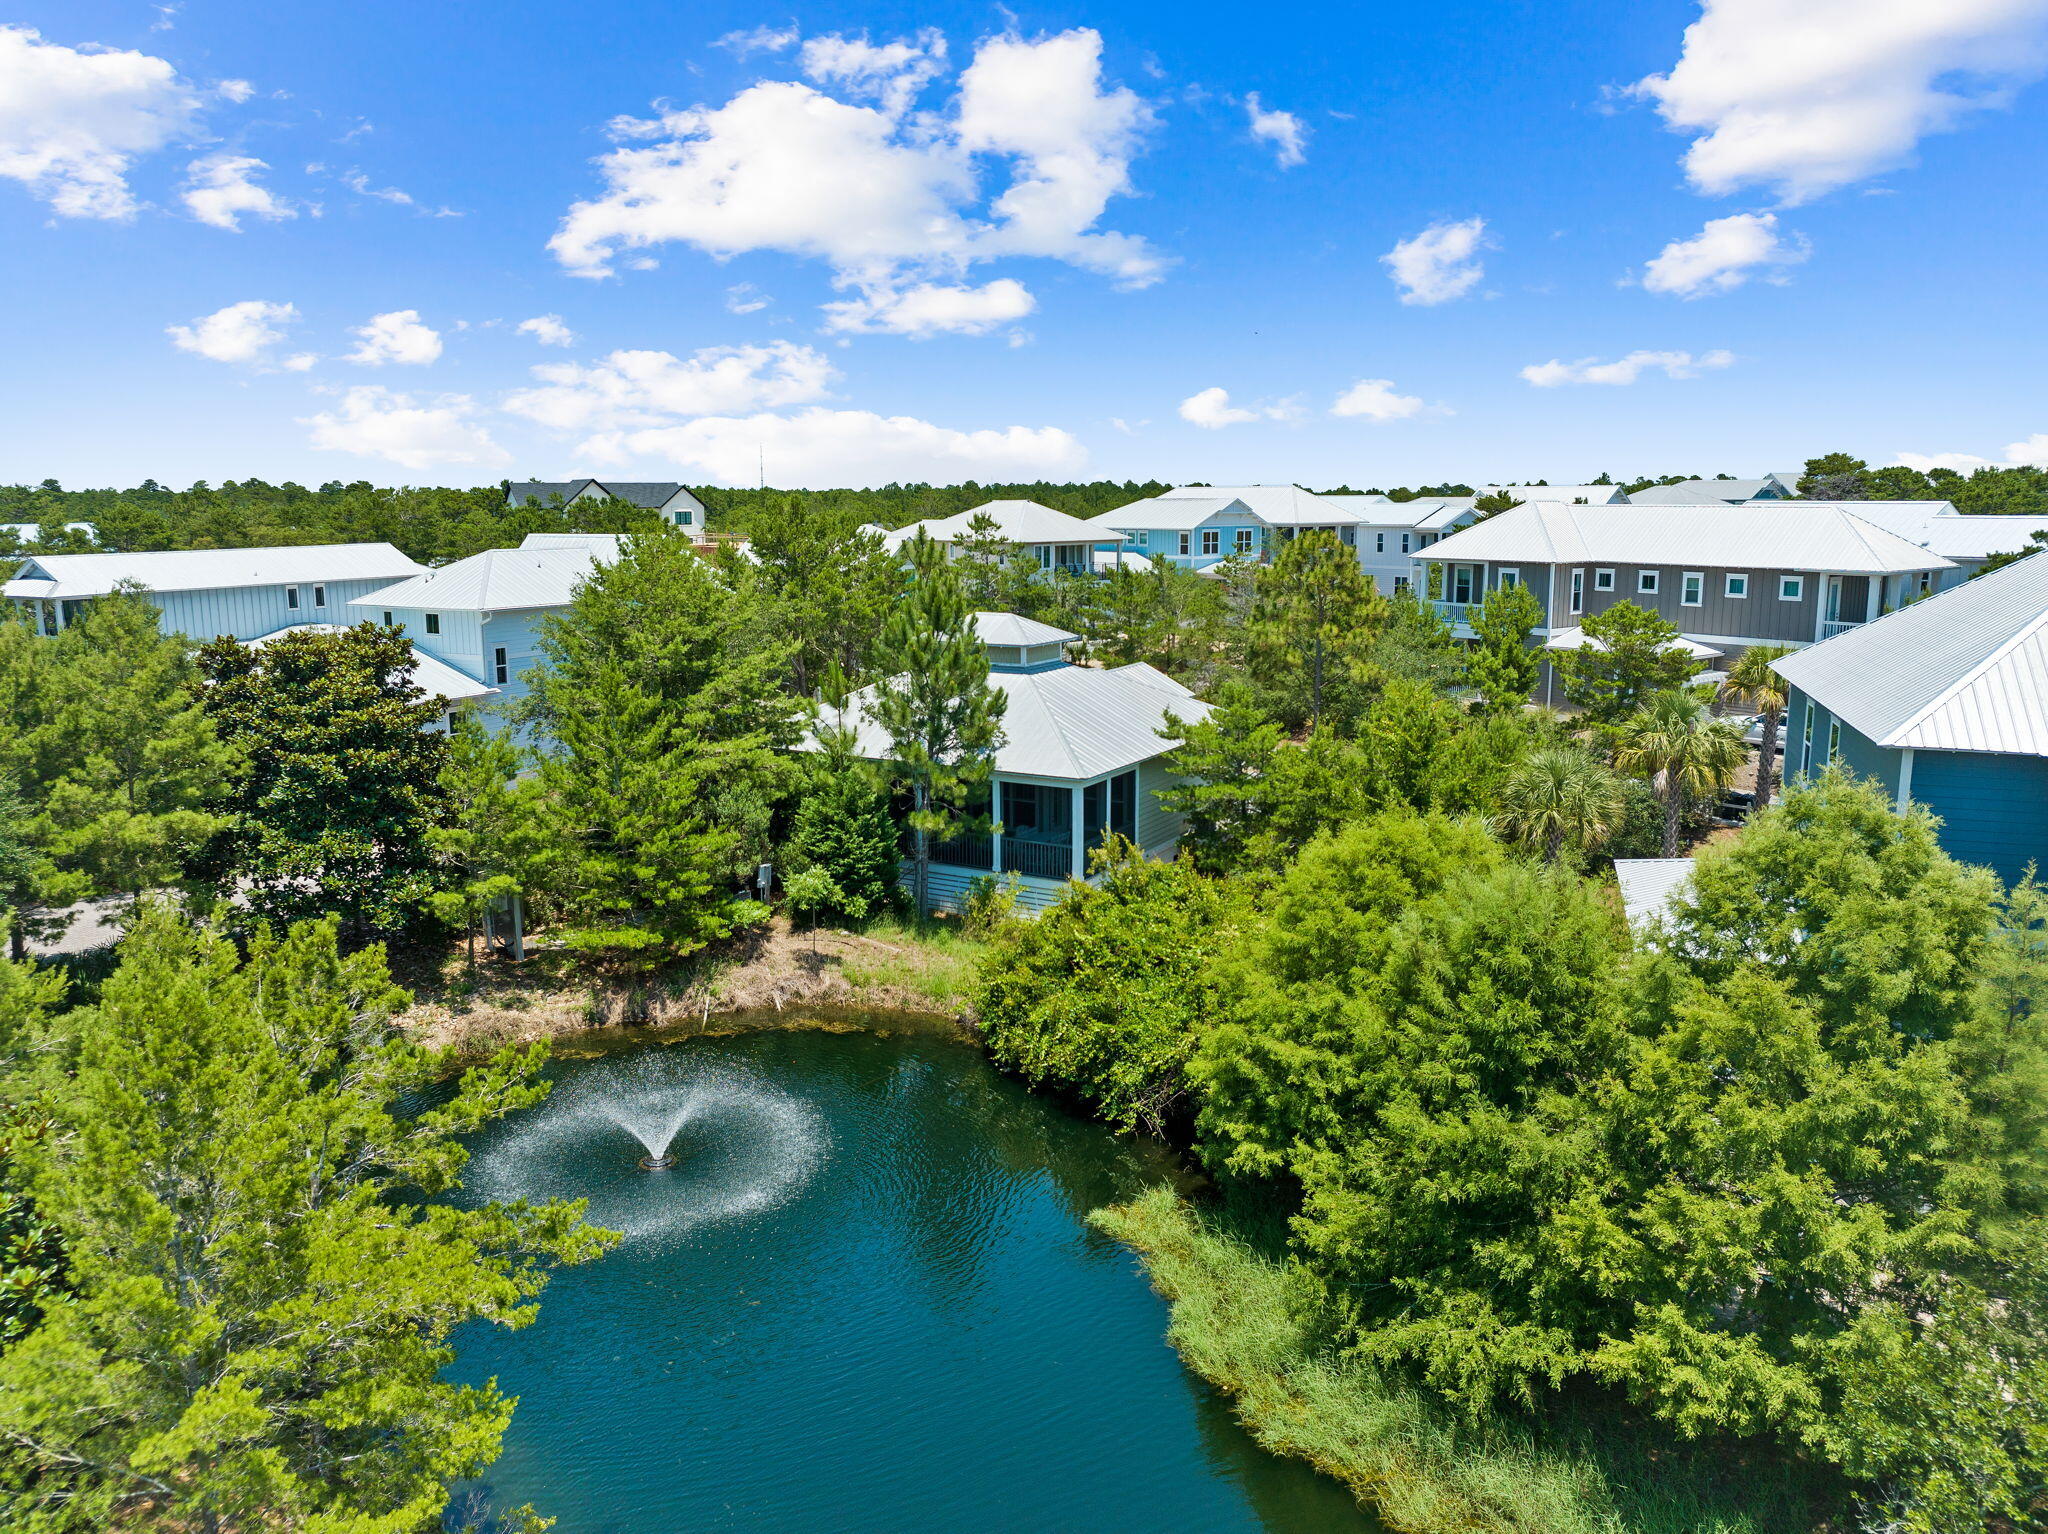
{"x": 1753, "y": 683}
{"x": 1557, "y": 796}
{"x": 1687, "y": 753}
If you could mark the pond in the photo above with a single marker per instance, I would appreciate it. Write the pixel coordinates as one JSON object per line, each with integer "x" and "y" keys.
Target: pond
{"x": 863, "y": 1298}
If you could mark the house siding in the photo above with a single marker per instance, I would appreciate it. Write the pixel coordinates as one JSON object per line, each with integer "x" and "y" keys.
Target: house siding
{"x": 1857, "y": 752}
{"x": 250, "y": 612}
{"x": 466, "y": 642}
{"x": 1760, "y": 616}
{"x": 1993, "y": 807}
{"x": 949, "y": 887}
{"x": 1158, "y": 827}
{"x": 1164, "y": 542}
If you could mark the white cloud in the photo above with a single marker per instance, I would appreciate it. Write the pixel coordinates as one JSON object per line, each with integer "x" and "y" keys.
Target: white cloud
{"x": 1375, "y": 400}
{"x": 1287, "y": 133}
{"x": 648, "y": 388}
{"x": 745, "y": 298}
{"x": 2029, "y": 452}
{"x": 1211, "y": 409}
{"x": 220, "y": 188}
{"x": 359, "y": 183}
{"x": 242, "y": 332}
{"x": 548, "y": 329}
{"x": 237, "y": 91}
{"x": 819, "y": 447}
{"x": 395, "y": 337}
{"x": 375, "y": 422}
{"x": 888, "y": 199}
{"x": 72, "y": 121}
{"x": 758, "y": 40}
{"x": 1808, "y": 95}
{"x": 298, "y": 362}
{"x": 889, "y": 73}
{"x": 1439, "y": 264}
{"x": 930, "y": 309}
{"x": 1625, "y": 370}
{"x": 1723, "y": 256}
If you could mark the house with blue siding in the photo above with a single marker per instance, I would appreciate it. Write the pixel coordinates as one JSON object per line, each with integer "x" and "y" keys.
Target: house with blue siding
{"x": 1945, "y": 704}
{"x": 1081, "y": 758}
{"x": 482, "y": 615}
{"x": 206, "y": 593}
{"x": 1200, "y": 526}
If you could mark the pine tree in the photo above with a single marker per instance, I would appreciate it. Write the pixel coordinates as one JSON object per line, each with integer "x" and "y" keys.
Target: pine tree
{"x": 1312, "y": 627}
{"x": 497, "y": 835}
{"x": 934, "y": 699}
{"x": 1502, "y": 666}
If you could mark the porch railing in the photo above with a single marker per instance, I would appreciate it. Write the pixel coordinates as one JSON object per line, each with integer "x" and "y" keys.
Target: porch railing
{"x": 973, "y": 852}
{"x": 1831, "y": 627}
{"x": 1037, "y": 860}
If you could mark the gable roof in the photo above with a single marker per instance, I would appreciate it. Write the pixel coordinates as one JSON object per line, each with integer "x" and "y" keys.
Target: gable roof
{"x": 1825, "y": 537}
{"x": 1170, "y": 513}
{"x": 1963, "y": 671}
{"x": 1072, "y": 722}
{"x": 650, "y": 495}
{"x": 94, "y": 575}
{"x": 543, "y": 572}
{"x": 1278, "y": 505}
{"x": 1016, "y": 522}
{"x": 1014, "y": 629}
{"x": 1693, "y": 492}
{"x": 1584, "y": 495}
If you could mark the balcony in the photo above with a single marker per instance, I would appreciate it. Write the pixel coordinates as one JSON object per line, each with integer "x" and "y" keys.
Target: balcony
{"x": 973, "y": 852}
{"x": 1038, "y": 859}
{"x": 1833, "y": 626}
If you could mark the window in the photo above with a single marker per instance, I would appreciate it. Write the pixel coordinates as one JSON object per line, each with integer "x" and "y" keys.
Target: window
{"x": 1791, "y": 588}
{"x": 1508, "y": 578}
{"x": 1603, "y": 580}
{"x": 1646, "y": 582}
{"x": 1578, "y": 591}
{"x": 1806, "y": 740}
{"x": 1926, "y": 582}
{"x": 291, "y": 598}
{"x": 1212, "y": 541}
{"x": 1692, "y": 589}
{"x": 387, "y": 617}
{"x": 1737, "y": 588}
{"x": 501, "y": 671}
{"x": 1400, "y": 583}
{"x": 1184, "y": 543}
{"x": 433, "y": 623}
{"x": 1379, "y": 543}
{"x": 1350, "y": 537}
{"x": 686, "y": 517}
{"x": 1404, "y": 543}
{"x": 319, "y": 596}
{"x": 1244, "y": 539}
{"x": 1463, "y": 582}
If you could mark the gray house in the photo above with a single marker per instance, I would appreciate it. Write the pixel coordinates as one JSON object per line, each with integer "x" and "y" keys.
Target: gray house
{"x": 1081, "y": 757}
{"x": 1776, "y": 572}
{"x": 1945, "y": 704}
{"x": 1967, "y": 542}
{"x": 678, "y": 504}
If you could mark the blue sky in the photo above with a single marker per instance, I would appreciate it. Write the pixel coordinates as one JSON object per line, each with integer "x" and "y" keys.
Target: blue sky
{"x": 1375, "y": 245}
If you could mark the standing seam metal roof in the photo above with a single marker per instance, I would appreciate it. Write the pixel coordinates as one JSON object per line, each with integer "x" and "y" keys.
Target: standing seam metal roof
{"x": 94, "y": 575}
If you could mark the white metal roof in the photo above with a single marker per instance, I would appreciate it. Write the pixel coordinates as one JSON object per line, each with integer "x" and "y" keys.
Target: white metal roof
{"x": 1014, "y": 629}
{"x": 1826, "y": 537}
{"x": 1694, "y": 492}
{"x": 436, "y": 678}
{"x": 94, "y": 575}
{"x": 1649, "y": 885}
{"x": 497, "y": 580}
{"x": 1016, "y": 522}
{"x": 1073, "y": 723}
{"x": 1279, "y": 505}
{"x": 1584, "y": 495}
{"x": 1937, "y": 525}
{"x": 603, "y": 546}
{"x": 1963, "y": 671}
{"x": 1168, "y": 513}
{"x": 1119, "y": 559}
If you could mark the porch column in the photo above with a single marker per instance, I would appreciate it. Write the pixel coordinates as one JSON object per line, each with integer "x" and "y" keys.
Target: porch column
{"x": 995, "y": 834}
{"x": 1080, "y": 850}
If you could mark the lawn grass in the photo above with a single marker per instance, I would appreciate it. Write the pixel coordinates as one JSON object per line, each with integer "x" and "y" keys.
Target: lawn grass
{"x": 1586, "y": 1470}
{"x": 933, "y": 960}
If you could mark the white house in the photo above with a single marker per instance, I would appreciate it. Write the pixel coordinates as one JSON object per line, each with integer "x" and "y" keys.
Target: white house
{"x": 677, "y": 504}
{"x": 1081, "y": 757}
{"x": 1054, "y": 539}
{"x": 1570, "y": 495}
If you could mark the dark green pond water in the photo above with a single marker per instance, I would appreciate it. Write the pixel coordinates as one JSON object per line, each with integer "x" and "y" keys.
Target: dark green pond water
{"x": 864, "y": 1299}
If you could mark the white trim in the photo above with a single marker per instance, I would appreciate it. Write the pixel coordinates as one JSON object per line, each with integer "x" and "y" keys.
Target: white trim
{"x": 1694, "y": 581}
{"x": 1728, "y": 590}
{"x": 1603, "y": 580}
{"x": 1576, "y": 583}
{"x": 1797, "y": 596}
{"x": 1501, "y": 577}
{"x": 1905, "y": 800}
{"x": 1647, "y": 582}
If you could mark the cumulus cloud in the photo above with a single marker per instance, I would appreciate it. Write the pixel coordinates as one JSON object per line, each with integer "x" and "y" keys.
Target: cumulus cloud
{"x": 1439, "y": 264}
{"x": 1375, "y": 399}
{"x": 395, "y": 337}
{"x": 376, "y": 423}
{"x": 820, "y": 446}
{"x": 548, "y": 329}
{"x": 242, "y": 332}
{"x": 889, "y": 73}
{"x": 932, "y": 308}
{"x": 648, "y": 388}
{"x": 1211, "y": 409}
{"x": 2029, "y": 452}
{"x": 1625, "y": 370}
{"x": 1287, "y": 133}
{"x": 221, "y": 188}
{"x": 73, "y": 121}
{"x": 890, "y": 200}
{"x": 1808, "y": 95}
{"x": 1723, "y": 256}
